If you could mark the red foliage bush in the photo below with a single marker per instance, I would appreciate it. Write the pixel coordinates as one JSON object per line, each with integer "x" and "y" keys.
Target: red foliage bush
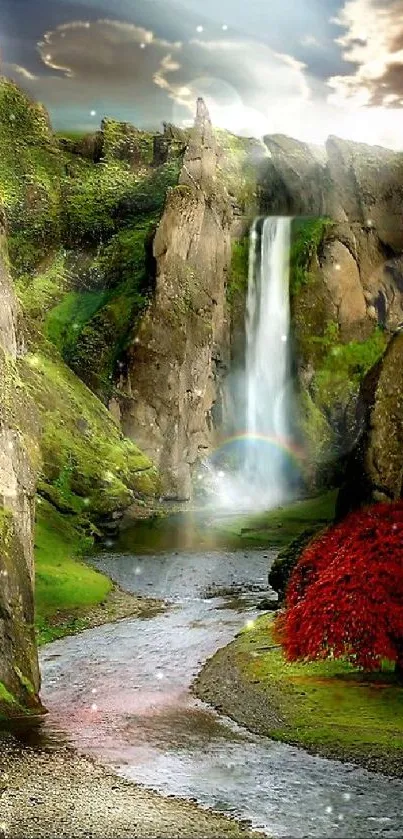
{"x": 345, "y": 596}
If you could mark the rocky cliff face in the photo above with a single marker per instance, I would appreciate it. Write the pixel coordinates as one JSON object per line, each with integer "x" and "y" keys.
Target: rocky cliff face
{"x": 170, "y": 394}
{"x": 360, "y": 188}
{"x": 375, "y": 468}
{"x": 347, "y": 272}
{"x": 19, "y": 675}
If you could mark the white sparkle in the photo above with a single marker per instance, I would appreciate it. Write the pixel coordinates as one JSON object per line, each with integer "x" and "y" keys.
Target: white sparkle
{"x": 340, "y": 817}
{"x": 86, "y": 501}
{"x": 48, "y": 57}
{"x": 93, "y": 113}
{"x": 142, "y": 46}
{"x": 221, "y": 474}
{"x": 137, "y": 340}
{"x": 224, "y": 27}
{"x": 200, "y": 477}
{"x": 329, "y": 809}
{"x": 94, "y": 690}
{"x": 370, "y": 223}
{"x": 284, "y": 338}
{"x": 347, "y": 796}
{"x": 159, "y": 675}
{"x": 199, "y": 29}
{"x": 94, "y": 707}
{"x": 337, "y": 267}
{"x": 138, "y": 570}
{"x": 250, "y": 624}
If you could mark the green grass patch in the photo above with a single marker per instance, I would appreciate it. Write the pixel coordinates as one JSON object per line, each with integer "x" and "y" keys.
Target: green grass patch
{"x": 278, "y": 527}
{"x": 65, "y": 589}
{"x": 323, "y": 703}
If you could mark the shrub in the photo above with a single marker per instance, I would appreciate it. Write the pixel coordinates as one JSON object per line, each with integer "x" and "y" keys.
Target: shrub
{"x": 345, "y": 596}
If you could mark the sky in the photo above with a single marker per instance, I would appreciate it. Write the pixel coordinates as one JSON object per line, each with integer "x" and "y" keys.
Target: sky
{"x": 305, "y": 68}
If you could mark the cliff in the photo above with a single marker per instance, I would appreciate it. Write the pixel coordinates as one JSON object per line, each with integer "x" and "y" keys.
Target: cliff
{"x": 19, "y": 674}
{"x": 346, "y": 276}
{"x": 170, "y": 400}
{"x": 375, "y": 468}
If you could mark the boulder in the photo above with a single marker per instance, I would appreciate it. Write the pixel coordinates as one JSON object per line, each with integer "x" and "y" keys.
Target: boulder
{"x": 375, "y": 469}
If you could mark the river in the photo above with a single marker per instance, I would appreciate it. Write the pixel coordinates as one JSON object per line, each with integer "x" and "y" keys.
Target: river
{"x": 121, "y": 692}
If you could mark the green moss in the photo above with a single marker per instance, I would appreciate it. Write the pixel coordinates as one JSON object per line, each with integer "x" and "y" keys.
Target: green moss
{"x": 307, "y": 236}
{"x": 6, "y": 697}
{"x": 125, "y": 142}
{"x": 26, "y": 683}
{"x": 238, "y": 168}
{"x": 66, "y": 320}
{"x": 39, "y": 291}
{"x": 343, "y": 366}
{"x": 323, "y": 704}
{"x": 65, "y": 588}
{"x": 239, "y": 270}
{"x": 99, "y": 198}
{"x": 31, "y": 167}
{"x": 278, "y": 527}
{"x": 89, "y": 468}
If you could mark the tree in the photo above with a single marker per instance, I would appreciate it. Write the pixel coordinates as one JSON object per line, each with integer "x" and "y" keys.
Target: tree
{"x": 345, "y": 595}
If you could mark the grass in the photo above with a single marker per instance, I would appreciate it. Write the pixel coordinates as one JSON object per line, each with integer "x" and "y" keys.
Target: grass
{"x": 324, "y": 703}
{"x": 65, "y": 588}
{"x": 276, "y": 528}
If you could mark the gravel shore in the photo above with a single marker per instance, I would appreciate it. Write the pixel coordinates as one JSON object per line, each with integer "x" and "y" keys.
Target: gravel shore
{"x": 53, "y": 794}
{"x": 222, "y": 684}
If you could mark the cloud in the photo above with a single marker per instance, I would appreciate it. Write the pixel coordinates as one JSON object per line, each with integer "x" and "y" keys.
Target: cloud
{"x": 373, "y": 43}
{"x": 248, "y": 86}
{"x": 22, "y": 72}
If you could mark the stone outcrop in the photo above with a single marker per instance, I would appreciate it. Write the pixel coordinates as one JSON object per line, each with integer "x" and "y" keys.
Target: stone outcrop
{"x": 19, "y": 674}
{"x": 375, "y": 468}
{"x": 360, "y": 188}
{"x": 170, "y": 397}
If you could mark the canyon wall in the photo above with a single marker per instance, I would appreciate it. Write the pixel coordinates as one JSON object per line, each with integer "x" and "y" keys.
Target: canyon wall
{"x": 19, "y": 674}
{"x": 180, "y": 351}
{"x": 346, "y": 277}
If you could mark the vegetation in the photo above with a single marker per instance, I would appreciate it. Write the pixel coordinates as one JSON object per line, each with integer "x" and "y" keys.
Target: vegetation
{"x": 65, "y": 588}
{"x": 307, "y": 237}
{"x": 276, "y": 528}
{"x": 238, "y": 278}
{"x": 345, "y": 595}
{"x": 344, "y": 365}
{"x": 89, "y": 468}
{"x": 237, "y": 166}
{"x": 327, "y": 706}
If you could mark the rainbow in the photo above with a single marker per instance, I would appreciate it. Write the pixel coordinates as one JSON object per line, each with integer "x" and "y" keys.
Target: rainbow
{"x": 293, "y": 452}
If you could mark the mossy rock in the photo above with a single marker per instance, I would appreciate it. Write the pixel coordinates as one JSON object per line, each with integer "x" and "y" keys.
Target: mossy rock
{"x": 283, "y": 566}
{"x": 89, "y": 468}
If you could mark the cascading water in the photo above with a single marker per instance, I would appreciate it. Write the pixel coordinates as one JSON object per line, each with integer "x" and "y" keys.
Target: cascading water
{"x": 261, "y": 472}
{"x": 268, "y": 359}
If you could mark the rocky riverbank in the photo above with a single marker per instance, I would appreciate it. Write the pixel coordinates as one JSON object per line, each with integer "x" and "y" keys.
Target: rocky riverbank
{"x": 46, "y": 794}
{"x": 324, "y": 707}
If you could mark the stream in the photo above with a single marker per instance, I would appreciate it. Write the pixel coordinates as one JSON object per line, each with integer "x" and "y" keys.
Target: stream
{"x": 121, "y": 692}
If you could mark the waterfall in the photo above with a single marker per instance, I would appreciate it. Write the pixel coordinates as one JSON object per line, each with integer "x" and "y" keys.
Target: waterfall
{"x": 268, "y": 359}
{"x": 255, "y": 467}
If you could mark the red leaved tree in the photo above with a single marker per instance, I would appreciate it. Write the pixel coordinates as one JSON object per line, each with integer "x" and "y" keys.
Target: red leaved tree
{"x": 345, "y": 595}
